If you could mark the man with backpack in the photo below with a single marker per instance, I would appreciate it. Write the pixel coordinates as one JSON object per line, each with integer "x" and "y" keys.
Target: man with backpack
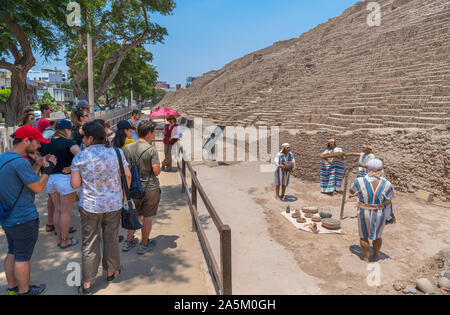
{"x": 19, "y": 183}
{"x": 145, "y": 187}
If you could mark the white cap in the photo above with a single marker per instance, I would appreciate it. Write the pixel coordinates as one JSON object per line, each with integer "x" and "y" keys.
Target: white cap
{"x": 375, "y": 165}
{"x": 55, "y": 116}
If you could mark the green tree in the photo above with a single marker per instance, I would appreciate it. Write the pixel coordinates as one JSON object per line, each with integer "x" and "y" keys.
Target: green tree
{"x": 27, "y": 27}
{"x": 158, "y": 95}
{"x": 116, "y": 27}
{"x": 46, "y": 99}
{"x": 4, "y": 95}
{"x": 135, "y": 74}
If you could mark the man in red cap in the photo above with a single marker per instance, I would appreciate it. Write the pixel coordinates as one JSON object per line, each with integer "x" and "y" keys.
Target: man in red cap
{"x": 19, "y": 183}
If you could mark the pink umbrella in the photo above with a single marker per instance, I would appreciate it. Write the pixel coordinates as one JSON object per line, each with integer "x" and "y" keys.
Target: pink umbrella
{"x": 163, "y": 113}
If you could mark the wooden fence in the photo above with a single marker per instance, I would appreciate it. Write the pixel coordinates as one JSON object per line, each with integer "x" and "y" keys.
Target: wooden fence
{"x": 221, "y": 274}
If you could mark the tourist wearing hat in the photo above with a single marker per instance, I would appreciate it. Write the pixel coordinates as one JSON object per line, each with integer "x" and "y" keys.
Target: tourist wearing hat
{"x": 285, "y": 165}
{"x": 61, "y": 192}
{"x": 172, "y": 134}
{"x": 83, "y": 105}
{"x": 50, "y": 130}
{"x": 332, "y": 169}
{"x": 19, "y": 183}
{"x": 375, "y": 195}
{"x": 123, "y": 134}
{"x": 135, "y": 120}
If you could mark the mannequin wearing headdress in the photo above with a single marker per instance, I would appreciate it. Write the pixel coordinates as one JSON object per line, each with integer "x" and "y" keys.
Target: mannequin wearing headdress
{"x": 284, "y": 161}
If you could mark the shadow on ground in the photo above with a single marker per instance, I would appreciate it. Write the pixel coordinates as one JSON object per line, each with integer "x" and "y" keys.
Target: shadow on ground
{"x": 164, "y": 263}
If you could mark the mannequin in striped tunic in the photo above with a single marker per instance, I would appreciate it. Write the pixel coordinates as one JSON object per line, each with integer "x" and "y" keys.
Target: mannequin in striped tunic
{"x": 332, "y": 169}
{"x": 282, "y": 176}
{"x": 364, "y": 158}
{"x": 375, "y": 195}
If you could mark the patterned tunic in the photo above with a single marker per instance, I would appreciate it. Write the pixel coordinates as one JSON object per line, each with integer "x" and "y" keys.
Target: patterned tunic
{"x": 371, "y": 222}
{"x": 281, "y": 177}
{"x": 364, "y": 159}
{"x": 331, "y": 172}
{"x": 101, "y": 188}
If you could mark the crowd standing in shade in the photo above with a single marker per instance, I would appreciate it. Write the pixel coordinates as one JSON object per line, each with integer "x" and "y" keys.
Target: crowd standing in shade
{"x": 76, "y": 160}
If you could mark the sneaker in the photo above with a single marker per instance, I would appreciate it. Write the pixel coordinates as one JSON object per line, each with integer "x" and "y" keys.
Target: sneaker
{"x": 36, "y": 290}
{"x": 13, "y": 291}
{"x": 145, "y": 248}
{"x": 127, "y": 246}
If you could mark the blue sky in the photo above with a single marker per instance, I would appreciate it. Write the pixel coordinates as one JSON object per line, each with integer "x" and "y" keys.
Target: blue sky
{"x": 205, "y": 35}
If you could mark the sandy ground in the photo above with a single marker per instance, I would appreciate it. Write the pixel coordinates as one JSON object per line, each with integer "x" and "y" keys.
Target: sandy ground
{"x": 176, "y": 266}
{"x": 270, "y": 256}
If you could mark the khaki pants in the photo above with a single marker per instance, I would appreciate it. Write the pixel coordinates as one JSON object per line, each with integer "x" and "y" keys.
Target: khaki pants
{"x": 167, "y": 156}
{"x": 96, "y": 227}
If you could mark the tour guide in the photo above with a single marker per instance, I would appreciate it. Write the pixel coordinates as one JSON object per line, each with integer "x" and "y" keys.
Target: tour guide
{"x": 375, "y": 194}
{"x": 172, "y": 134}
{"x": 19, "y": 182}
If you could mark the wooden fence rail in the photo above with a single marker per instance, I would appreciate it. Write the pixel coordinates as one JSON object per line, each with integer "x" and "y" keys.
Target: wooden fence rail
{"x": 222, "y": 274}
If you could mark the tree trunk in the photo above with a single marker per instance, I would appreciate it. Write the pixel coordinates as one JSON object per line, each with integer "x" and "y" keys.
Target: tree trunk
{"x": 78, "y": 90}
{"x": 17, "y": 100}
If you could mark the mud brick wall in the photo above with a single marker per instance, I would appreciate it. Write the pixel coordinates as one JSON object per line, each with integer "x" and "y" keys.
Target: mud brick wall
{"x": 414, "y": 159}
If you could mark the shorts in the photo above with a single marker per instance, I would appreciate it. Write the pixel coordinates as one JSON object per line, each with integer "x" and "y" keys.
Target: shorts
{"x": 60, "y": 183}
{"x": 148, "y": 207}
{"x": 21, "y": 239}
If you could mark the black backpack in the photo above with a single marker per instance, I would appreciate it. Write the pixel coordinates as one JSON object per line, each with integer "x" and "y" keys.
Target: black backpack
{"x": 136, "y": 190}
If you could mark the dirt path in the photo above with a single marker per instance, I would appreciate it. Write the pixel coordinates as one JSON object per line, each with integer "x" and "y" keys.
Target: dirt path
{"x": 271, "y": 256}
{"x": 176, "y": 266}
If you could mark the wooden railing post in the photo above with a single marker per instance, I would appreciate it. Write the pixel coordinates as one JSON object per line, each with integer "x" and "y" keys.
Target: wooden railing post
{"x": 225, "y": 259}
{"x": 183, "y": 173}
{"x": 194, "y": 199}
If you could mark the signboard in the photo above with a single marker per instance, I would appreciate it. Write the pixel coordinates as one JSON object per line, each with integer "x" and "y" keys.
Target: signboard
{"x": 213, "y": 138}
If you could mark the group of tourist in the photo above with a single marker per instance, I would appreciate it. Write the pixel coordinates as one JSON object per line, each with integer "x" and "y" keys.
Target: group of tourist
{"x": 75, "y": 159}
{"x": 374, "y": 191}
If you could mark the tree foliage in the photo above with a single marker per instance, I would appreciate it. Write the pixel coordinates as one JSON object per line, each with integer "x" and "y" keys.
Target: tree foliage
{"x": 4, "y": 95}
{"x": 116, "y": 27}
{"x": 27, "y": 27}
{"x": 46, "y": 99}
{"x": 158, "y": 95}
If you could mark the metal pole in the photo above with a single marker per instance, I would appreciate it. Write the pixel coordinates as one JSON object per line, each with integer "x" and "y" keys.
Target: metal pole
{"x": 90, "y": 73}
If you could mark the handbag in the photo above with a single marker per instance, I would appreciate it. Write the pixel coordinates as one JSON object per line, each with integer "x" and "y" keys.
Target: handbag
{"x": 5, "y": 211}
{"x": 130, "y": 220}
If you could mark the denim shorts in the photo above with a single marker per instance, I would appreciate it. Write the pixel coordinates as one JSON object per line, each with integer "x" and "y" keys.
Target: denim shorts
{"x": 21, "y": 239}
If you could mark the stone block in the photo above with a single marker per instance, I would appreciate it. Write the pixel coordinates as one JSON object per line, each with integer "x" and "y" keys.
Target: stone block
{"x": 425, "y": 195}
